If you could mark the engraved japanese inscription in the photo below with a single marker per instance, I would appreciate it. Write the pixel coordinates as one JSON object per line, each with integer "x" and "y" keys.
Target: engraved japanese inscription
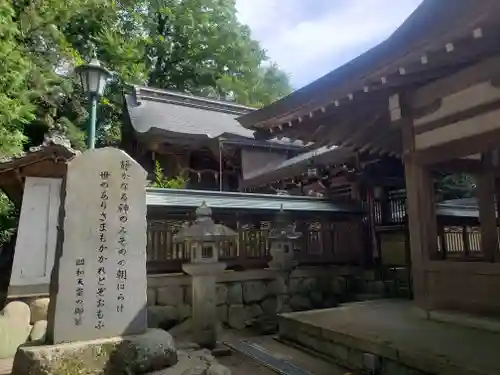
{"x": 102, "y": 269}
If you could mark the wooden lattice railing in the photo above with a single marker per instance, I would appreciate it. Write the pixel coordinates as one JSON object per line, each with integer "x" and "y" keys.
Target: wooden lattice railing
{"x": 460, "y": 242}
{"x": 323, "y": 241}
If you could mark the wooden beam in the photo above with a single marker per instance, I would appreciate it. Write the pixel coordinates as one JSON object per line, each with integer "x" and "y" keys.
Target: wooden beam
{"x": 356, "y": 119}
{"x": 382, "y": 141}
{"x": 461, "y": 115}
{"x": 483, "y": 71}
{"x": 457, "y": 148}
{"x": 467, "y": 166}
{"x": 360, "y": 136}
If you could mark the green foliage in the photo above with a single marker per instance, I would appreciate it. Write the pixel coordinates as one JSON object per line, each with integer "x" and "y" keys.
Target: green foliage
{"x": 195, "y": 46}
{"x": 161, "y": 181}
{"x": 455, "y": 186}
{"x": 16, "y": 109}
{"x": 198, "y": 46}
{"x": 8, "y": 219}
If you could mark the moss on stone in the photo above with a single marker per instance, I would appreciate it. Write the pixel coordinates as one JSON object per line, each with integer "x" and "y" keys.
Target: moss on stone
{"x": 134, "y": 355}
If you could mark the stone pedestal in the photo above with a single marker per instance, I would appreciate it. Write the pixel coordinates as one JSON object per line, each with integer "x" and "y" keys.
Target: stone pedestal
{"x": 283, "y": 298}
{"x": 204, "y": 301}
{"x": 151, "y": 351}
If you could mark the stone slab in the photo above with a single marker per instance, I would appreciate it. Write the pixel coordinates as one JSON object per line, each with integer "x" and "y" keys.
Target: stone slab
{"x": 137, "y": 354}
{"x": 101, "y": 260}
{"x": 391, "y": 330}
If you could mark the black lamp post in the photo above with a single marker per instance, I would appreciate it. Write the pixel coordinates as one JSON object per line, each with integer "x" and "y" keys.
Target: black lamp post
{"x": 93, "y": 78}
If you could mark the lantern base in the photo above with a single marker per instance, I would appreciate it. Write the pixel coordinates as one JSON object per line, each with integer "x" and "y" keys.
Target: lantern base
{"x": 204, "y": 301}
{"x": 204, "y": 269}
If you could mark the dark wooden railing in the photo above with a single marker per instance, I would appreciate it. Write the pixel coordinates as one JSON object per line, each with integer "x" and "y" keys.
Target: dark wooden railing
{"x": 323, "y": 240}
{"x": 459, "y": 237}
{"x": 460, "y": 242}
{"x": 390, "y": 212}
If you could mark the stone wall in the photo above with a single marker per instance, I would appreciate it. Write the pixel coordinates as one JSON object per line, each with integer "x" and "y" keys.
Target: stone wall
{"x": 247, "y": 296}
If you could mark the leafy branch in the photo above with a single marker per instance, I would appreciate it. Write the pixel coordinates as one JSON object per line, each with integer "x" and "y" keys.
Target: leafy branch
{"x": 161, "y": 181}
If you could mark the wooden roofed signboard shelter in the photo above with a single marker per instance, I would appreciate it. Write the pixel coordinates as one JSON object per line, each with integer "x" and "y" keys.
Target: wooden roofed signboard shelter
{"x": 429, "y": 94}
{"x": 32, "y": 180}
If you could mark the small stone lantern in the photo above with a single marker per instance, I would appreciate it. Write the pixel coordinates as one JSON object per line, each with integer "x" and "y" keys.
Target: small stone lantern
{"x": 283, "y": 238}
{"x": 202, "y": 238}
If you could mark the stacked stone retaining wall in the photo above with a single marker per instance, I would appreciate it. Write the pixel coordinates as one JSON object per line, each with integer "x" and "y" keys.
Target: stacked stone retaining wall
{"x": 244, "y": 297}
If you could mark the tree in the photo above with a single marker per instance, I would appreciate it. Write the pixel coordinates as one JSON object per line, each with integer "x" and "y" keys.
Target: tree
{"x": 257, "y": 90}
{"x": 195, "y": 46}
{"x": 161, "y": 181}
{"x": 198, "y": 46}
{"x": 455, "y": 186}
{"x": 16, "y": 108}
{"x": 57, "y": 35}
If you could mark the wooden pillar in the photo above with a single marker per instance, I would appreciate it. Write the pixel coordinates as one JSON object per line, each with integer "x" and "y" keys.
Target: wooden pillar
{"x": 497, "y": 200}
{"x": 487, "y": 211}
{"x": 422, "y": 226}
{"x": 421, "y": 211}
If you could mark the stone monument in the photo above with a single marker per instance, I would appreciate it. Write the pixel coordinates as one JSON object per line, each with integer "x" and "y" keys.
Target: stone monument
{"x": 97, "y": 312}
{"x": 202, "y": 238}
{"x": 101, "y": 289}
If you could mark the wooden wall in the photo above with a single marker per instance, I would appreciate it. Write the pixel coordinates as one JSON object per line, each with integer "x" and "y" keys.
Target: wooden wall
{"x": 468, "y": 287}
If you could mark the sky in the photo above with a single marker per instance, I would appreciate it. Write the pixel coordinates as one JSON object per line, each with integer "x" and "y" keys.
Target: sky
{"x": 309, "y": 38}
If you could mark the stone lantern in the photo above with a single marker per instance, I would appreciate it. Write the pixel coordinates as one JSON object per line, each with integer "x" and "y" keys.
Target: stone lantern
{"x": 282, "y": 238}
{"x": 202, "y": 238}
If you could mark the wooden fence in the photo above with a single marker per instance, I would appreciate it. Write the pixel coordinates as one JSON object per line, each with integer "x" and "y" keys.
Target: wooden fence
{"x": 460, "y": 242}
{"x": 458, "y": 237}
{"x": 324, "y": 240}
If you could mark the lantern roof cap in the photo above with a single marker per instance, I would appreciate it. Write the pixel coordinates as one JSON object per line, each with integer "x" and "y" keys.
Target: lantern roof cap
{"x": 93, "y": 64}
{"x": 283, "y": 228}
{"x": 204, "y": 229}
{"x": 203, "y": 211}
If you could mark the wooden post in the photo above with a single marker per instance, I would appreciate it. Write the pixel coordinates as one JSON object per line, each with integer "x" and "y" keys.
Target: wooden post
{"x": 466, "y": 241}
{"x": 442, "y": 240}
{"x": 422, "y": 226}
{"x": 487, "y": 211}
{"x": 497, "y": 200}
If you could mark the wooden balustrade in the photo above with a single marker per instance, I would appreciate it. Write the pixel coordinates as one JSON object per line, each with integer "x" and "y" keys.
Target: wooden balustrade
{"x": 460, "y": 242}
{"x": 323, "y": 241}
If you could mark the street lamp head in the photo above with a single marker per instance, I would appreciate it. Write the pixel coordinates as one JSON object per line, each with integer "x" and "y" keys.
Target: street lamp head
{"x": 93, "y": 77}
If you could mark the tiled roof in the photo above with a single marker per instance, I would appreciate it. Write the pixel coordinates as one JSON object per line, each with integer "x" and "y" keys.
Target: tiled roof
{"x": 161, "y": 198}
{"x": 180, "y": 114}
{"x": 296, "y": 165}
{"x": 56, "y": 144}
